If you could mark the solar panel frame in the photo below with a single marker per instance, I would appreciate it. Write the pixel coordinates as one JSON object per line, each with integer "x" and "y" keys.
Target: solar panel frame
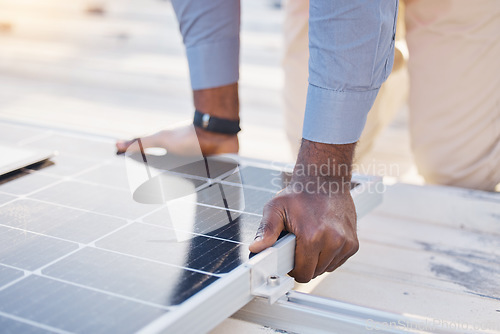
{"x": 18, "y": 158}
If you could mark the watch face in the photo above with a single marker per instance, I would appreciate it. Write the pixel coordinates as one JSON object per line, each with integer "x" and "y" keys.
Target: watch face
{"x": 205, "y": 120}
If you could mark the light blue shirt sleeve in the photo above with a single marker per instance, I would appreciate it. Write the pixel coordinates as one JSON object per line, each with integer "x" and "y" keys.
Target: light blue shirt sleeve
{"x": 351, "y": 53}
{"x": 211, "y": 33}
{"x": 351, "y": 44}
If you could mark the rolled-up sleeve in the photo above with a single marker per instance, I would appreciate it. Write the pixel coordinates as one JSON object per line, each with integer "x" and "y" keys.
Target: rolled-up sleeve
{"x": 210, "y": 31}
{"x": 351, "y": 47}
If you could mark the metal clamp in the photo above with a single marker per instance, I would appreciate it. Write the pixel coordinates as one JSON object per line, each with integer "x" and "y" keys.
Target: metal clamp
{"x": 268, "y": 276}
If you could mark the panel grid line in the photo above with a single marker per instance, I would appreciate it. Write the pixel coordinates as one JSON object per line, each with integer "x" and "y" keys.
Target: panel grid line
{"x": 34, "y": 323}
{"x": 109, "y": 293}
{"x": 12, "y": 200}
{"x": 219, "y": 207}
{"x": 190, "y": 232}
{"x": 34, "y": 138}
{"x": 80, "y": 245}
{"x": 38, "y": 271}
{"x": 159, "y": 262}
{"x": 92, "y": 245}
{"x": 5, "y": 286}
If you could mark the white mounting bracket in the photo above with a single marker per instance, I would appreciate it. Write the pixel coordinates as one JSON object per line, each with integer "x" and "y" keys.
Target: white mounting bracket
{"x": 268, "y": 270}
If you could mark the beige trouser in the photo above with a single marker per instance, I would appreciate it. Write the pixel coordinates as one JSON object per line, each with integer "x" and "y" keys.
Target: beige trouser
{"x": 454, "y": 68}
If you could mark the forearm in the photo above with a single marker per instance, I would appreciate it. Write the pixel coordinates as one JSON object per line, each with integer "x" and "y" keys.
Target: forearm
{"x": 324, "y": 168}
{"x": 219, "y": 102}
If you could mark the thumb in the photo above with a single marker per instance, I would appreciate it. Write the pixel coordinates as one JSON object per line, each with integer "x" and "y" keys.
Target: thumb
{"x": 270, "y": 228}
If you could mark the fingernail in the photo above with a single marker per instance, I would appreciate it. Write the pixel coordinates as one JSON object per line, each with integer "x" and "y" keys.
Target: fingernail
{"x": 257, "y": 238}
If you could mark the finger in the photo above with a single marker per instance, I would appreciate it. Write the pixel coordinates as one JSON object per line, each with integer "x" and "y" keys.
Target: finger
{"x": 336, "y": 264}
{"x": 347, "y": 253}
{"x": 326, "y": 257}
{"x": 133, "y": 145}
{"x": 271, "y": 225}
{"x": 123, "y": 145}
{"x": 306, "y": 260}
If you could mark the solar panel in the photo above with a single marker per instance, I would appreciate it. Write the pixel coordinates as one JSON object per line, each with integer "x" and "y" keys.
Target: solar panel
{"x": 94, "y": 242}
{"x": 14, "y": 158}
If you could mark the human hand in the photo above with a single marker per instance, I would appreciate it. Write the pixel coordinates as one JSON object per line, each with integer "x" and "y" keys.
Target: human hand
{"x": 320, "y": 211}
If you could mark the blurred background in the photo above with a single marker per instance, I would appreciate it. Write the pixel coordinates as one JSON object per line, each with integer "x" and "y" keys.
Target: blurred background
{"x": 117, "y": 68}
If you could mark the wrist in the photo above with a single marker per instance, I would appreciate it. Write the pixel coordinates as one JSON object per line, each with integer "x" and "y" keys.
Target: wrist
{"x": 323, "y": 168}
{"x": 219, "y": 102}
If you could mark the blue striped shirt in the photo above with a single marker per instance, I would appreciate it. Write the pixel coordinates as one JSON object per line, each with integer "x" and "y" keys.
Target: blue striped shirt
{"x": 351, "y": 50}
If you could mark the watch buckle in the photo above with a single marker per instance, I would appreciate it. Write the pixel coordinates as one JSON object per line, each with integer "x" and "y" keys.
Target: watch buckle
{"x": 204, "y": 121}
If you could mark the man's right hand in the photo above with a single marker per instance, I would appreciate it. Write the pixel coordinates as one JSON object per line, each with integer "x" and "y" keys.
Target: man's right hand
{"x": 318, "y": 209}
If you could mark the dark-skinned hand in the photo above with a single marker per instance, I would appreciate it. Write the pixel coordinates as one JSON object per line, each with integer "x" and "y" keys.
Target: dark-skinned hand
{"x": 318, "y": 209}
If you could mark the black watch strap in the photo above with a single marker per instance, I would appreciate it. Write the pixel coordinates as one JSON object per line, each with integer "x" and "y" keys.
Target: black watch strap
{"x": 216, "y": 124}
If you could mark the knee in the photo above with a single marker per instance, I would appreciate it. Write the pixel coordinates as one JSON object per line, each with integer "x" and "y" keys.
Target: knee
{"x": 455, "y": 169}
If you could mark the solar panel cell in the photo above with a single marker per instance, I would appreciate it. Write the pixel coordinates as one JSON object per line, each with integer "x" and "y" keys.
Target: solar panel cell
{"x": 161, "y": 244}
{"x": 238, "y": 198}
{"x": 25, "y": 250}
{"x": 8, "y": 275}
{"x": 100, "y": 199}
{"x": 124, "y": 275}
{"x": 214, "y": 222}
{"x": 111, "y": 174}
{"x": 269, "y": 179}
{"x": 210, "y": 167}
{"x": 22, "y": 183}
{"x": 4, "y": 198}
{"x": 73, "y": 308}
{"x": 57, "y": 221}
{"x": 11, "y": 326}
